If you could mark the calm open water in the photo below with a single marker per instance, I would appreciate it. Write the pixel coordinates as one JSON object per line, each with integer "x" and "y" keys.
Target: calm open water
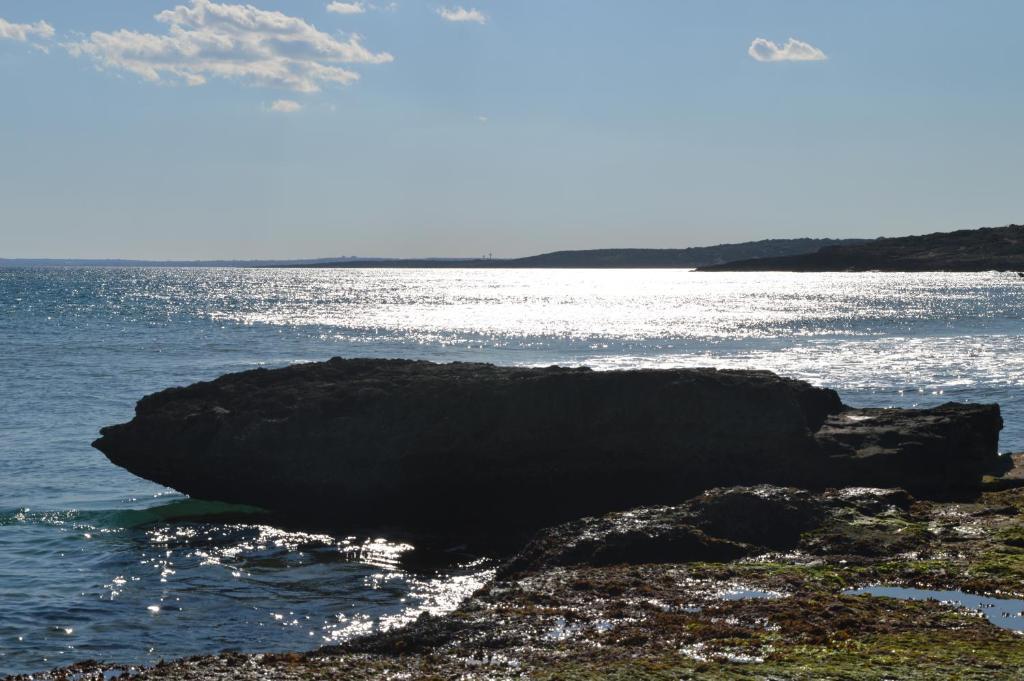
{"x": 95, "y": 563}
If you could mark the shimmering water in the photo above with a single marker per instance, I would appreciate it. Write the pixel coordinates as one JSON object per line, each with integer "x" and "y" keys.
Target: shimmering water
{"x": 1007, "y": 613}
{"x": 95, "y": 563}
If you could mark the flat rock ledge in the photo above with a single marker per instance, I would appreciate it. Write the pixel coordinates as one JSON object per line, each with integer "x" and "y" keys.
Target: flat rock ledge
{"x": 451, "y": 447}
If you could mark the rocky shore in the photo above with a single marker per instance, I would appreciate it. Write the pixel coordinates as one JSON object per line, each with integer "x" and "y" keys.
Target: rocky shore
{"x": 752, "y": 577}
{"x": 738, "y": 583}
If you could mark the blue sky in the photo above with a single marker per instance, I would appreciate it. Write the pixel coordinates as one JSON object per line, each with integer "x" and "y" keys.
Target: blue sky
{"x": 181, "y": 129}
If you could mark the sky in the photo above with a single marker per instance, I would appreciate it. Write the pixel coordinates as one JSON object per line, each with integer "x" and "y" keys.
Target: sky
{"x": 180, "y": 129}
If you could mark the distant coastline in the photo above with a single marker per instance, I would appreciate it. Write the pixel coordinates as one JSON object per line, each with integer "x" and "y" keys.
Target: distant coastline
{"x": 967, "y": 250}
{"x": 596, "y": 258}
{"x": 617, "y": 258}
{"x": 124, "y": 262}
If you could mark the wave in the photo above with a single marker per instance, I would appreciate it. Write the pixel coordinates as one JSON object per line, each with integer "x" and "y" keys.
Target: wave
{"x": 181, "y": 510}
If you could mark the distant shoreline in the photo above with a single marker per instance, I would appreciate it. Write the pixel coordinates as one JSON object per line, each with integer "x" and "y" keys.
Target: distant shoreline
{"x": 609, "y": 258}
{"x": 999, "y": 249}
{"x": 968, "y": 250}
{"x": 127, "y": 262}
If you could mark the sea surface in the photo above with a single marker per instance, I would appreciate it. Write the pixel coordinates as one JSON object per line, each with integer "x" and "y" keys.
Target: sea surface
{"x": 96, "y": 563}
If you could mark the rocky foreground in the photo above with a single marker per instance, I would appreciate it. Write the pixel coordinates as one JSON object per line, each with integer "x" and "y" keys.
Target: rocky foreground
{"x": 741, "y": 580}
{"x": 738, "y": 583}
{"x": 459, "y": 447}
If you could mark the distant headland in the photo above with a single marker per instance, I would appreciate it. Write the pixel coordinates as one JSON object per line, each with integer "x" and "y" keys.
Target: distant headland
{"x": 616, "y": 258}
{"x": 599, "y": 258}
{"x": 966, "y": 250}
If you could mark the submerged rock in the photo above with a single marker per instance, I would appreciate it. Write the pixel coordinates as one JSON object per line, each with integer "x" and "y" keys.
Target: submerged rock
{"x": 449, "y": 447}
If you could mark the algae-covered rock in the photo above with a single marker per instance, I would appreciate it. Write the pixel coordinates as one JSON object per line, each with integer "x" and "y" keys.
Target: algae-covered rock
{"x": 725, "y": 524}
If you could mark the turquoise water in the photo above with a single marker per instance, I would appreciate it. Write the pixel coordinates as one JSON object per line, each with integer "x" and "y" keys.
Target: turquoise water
{"x": 95, "y": 563}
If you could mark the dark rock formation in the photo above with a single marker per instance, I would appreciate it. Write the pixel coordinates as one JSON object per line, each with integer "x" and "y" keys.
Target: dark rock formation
{"x": 423, "y": 446}
{"x": 725, "y": 524}
{"x": 967, "y": 250}
{"x": 920, "y": 449}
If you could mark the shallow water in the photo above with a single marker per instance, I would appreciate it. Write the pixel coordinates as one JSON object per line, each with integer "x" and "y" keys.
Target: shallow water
{"x": 81, "y": 345}
{"x": 1007, "y": 613}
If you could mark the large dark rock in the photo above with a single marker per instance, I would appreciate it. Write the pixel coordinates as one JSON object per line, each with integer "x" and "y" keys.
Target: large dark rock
{"x": 448, "y": 447}
{"x": 924, "y": 450}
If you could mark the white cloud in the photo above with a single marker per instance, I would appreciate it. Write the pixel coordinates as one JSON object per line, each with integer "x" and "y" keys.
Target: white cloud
{"x": 285, "y": 106}
{"x": 346, "y": 8}
{"x": 25, "y": 32}
{"x": 461, "y": 14}
{"x": 210, "y": 40}
{"x": 360, "y": 7}
{"x": 793, "y": 50}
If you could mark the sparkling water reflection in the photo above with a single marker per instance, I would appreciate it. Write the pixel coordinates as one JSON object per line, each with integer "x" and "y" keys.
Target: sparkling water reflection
{"x": 109, "y": 566}
{"x": 111, "y": 590}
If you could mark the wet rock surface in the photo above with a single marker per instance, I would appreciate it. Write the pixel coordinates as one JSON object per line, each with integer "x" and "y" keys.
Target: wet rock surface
{"x": 721, "y": 525}
{"x": 453, "y": 447}
{"x": 777, "y": 614}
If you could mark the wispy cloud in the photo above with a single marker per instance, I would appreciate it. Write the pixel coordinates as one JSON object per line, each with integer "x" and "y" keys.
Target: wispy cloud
{"x": 360, "y": 7}
{"x": 461, "y": 14}
{"x": 206, "y": 39}
{"x": 347, "y": 8}
{"x": 285, "y": 106}
{"x": 794, "y": 50}
{"x": 26, "y": 32}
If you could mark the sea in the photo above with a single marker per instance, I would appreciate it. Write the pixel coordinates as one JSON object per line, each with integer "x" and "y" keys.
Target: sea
{"x": 98, "y": 564}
